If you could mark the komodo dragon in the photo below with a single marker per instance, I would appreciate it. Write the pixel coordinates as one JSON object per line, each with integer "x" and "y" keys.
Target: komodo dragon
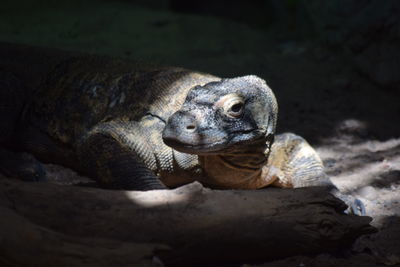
{"x": 134, "y": 127}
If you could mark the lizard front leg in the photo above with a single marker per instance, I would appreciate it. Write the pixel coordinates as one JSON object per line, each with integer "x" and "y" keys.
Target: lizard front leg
{"x": 12, "y": 100}
{"x": 118, "y": 159}
{"x": 299, "y": 165}
{"x": 296, "y": 163}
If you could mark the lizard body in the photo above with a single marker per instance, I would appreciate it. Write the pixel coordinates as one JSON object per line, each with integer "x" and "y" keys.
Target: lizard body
{"x": 132, "y": 126}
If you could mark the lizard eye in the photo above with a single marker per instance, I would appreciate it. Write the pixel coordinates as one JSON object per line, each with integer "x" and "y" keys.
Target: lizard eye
{"x": 232, "y": 105}
{"x": 236, "y": 109}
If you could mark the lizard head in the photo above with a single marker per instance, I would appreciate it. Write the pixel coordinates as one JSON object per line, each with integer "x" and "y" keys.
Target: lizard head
{"x": 221, "y": 117}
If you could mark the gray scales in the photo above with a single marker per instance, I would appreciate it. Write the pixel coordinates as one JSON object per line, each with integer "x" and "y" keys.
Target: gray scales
{"x": 137, "y": 127}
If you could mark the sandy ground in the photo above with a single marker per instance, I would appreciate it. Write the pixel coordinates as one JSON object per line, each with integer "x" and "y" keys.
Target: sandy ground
{"x": 351, "y": 122}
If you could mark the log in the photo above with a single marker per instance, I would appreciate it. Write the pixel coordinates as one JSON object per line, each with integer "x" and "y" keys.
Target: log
{"x": 200, "y": 225}
{"x": 23, "y": 243}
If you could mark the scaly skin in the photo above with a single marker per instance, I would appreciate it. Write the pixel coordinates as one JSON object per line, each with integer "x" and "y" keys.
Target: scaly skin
{"x": 107, "y": 118}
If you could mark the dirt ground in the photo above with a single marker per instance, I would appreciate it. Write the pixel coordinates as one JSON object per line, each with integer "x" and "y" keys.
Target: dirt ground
{"x": 351, "y": 122}
{"x": 369, "y": 170}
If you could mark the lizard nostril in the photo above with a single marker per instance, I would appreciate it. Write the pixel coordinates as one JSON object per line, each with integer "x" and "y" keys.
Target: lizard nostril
{"x": 191, "y": 127}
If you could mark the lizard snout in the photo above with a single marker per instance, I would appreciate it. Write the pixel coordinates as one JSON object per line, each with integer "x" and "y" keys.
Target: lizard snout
{"x": 193, "y": 131}
{"x": 190, "y": 127}
{"x": 181, "y": 127}
{"x": 182, "y": 122}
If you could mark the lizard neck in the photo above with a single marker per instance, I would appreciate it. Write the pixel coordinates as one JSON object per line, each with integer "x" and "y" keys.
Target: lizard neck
{"x": 244, "y": 169}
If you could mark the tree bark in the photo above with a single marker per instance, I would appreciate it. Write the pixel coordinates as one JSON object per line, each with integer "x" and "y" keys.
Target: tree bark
{"x": 200, "y": 225}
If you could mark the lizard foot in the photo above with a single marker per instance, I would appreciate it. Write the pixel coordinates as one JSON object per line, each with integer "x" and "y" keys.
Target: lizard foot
{"x": 355, "y": 205}
{"x": 22, "y": 166}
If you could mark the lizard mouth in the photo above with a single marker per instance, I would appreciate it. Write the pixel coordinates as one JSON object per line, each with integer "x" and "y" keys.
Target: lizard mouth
{"x": 190, "y": 148}
{"x": 221, "y": 145}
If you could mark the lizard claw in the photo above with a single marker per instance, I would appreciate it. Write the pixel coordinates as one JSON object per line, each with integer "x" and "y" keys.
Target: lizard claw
{"x": 357, "y": 207}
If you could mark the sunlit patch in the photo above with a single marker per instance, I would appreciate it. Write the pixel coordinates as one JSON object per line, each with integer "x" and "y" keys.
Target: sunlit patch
{"x": 353, "y": 126}
{"x": 355, "y": 165}
{"x": 363, "y": 168}
{"x": 164, "y": 197}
